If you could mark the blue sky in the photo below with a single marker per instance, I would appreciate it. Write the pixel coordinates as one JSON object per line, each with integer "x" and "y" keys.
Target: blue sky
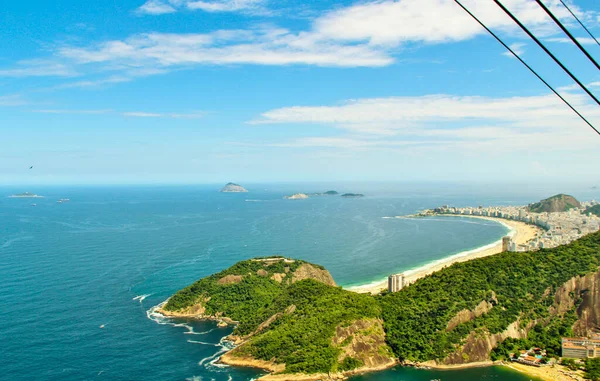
{"x": 188, "y": 91}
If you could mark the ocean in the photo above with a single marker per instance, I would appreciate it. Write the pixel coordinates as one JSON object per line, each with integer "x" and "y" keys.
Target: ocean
{"x": 78, "y": 279}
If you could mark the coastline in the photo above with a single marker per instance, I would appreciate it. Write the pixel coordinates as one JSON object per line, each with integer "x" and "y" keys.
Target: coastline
{"x": 519, "y": 231}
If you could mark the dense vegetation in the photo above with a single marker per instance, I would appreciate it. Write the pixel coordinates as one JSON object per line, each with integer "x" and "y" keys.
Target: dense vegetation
{"x": 557, "y": 203}
{"x": 592, "y": 369}
{"x": 303, "y": 339}
{"x": 303, "y": 316}
{"x": 241, "y": 301}
{"x": 523, "y": 283}
{"x": 594, "y": 210}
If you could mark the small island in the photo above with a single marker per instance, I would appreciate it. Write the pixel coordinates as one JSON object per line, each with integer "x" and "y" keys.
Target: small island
{"x": 328, "y": 193}
{"x": 25, "y": 195}
{"x": 297, "y": 196}
{"x": 233, "y": 188}
{"x": 348, "y": 195}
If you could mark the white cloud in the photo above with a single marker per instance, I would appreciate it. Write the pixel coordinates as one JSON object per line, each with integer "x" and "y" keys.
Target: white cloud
{"x": 227, "y": 5}
{"x": 159, "y": 7}
{"x": 94, "y": 83}
{"x": 518, "y": 48}
{"x": 261, "y": 46}
{"x": 532, "y": 122}
{"x": 155, "y": 7}
{"x": 431, "y": 21}
{"x": 38, "y": 68}
{"x": 367, "y": 34}
{"x": 581, "y": 40}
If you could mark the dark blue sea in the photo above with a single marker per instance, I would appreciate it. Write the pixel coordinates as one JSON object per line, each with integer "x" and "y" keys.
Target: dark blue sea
{"x": 78, "y": 278}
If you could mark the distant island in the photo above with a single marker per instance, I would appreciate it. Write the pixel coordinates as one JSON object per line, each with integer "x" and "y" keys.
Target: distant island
{"x": 233, "y": 188}
{"x": 557, "y": 203}
{"x": 290, "y": 318}
{"x": 25, "y": 195}
{"x": 328, "y": 193}
{"x": 296, "y": 196}
{"x": 353, "y": 195}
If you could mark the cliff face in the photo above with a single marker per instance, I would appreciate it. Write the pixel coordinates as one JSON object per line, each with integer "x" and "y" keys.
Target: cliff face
{"x": 364, "y": 340}
{"x": 558, "y": 203}
{"x": 586, "y": 290}
{"x": 307, "y": 271}
{"x": 477, "y": 347}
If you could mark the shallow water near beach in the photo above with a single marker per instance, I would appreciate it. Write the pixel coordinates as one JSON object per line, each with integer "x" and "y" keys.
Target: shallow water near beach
{"x": 78, "y": 279}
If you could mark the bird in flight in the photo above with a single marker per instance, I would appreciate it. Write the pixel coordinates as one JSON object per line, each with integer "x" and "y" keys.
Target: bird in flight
{"x": 31, "y": 167}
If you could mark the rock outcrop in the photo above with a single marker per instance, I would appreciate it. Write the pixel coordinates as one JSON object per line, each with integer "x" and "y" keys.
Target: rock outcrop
{"x": 364, "y": 340}
{"x": 586, "y": 291}
{"x": 296, "y": 196}
{"x": 233, "y": 188}
{"x": 308, "y": 271}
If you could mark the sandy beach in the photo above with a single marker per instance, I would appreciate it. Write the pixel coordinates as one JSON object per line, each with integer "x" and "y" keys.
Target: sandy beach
{"x": 520, "y": 232}
{"x": 548, "y": 373}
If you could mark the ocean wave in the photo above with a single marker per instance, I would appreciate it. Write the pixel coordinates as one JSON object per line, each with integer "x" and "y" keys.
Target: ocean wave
{"x": 203, "y": 343}
{"x": 141, "y": 298}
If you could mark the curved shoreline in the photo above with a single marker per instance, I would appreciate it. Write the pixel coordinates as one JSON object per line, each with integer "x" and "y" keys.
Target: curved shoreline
{"x": 519, "y": 231}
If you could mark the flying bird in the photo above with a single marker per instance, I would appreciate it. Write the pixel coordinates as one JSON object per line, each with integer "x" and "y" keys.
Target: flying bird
{"x": 31, "y": 167}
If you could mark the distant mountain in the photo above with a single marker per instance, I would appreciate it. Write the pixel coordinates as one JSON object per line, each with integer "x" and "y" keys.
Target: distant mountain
{"x": 558, "y": 203}
{"x": 233, "y": 188}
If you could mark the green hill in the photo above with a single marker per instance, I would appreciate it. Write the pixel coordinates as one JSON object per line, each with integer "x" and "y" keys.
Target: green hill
{"x": 594, "y": 210}
{"x": 290, "y": 316}
{"x": 556, "y": 203}
{"x": 293, "y": 319}
{"x": 453, "y": 315}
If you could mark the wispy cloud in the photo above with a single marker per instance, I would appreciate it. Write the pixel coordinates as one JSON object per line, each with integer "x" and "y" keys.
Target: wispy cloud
{"x": 155, "y": 7}
{"x": 228, "y": 5}
{"x": 133, "y": 114}
{"x": 581, "y": 40}
{"x": 12, "y": 100}
{"x": 270, "y": 46}
{"x": 141, "y": 114}
{"x": 518, "y": 48}
{"x": 75, "y": 112}
{"x": 434, "y": 120}
{"x": 367, "y": 34}
{"x": 159, "y": 7}
{"x": 38, "y": 68}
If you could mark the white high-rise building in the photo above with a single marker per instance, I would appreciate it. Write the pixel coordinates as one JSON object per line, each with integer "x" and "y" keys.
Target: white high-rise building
{"x": 395, "y": 282}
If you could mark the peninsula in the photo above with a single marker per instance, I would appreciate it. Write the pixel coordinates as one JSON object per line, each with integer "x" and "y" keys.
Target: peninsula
{"x": 233, "y": 188}
{"x": 291, "y": 320}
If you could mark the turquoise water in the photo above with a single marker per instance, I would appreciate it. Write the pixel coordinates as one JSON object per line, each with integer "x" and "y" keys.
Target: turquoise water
{"x": 111, "y": 253}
